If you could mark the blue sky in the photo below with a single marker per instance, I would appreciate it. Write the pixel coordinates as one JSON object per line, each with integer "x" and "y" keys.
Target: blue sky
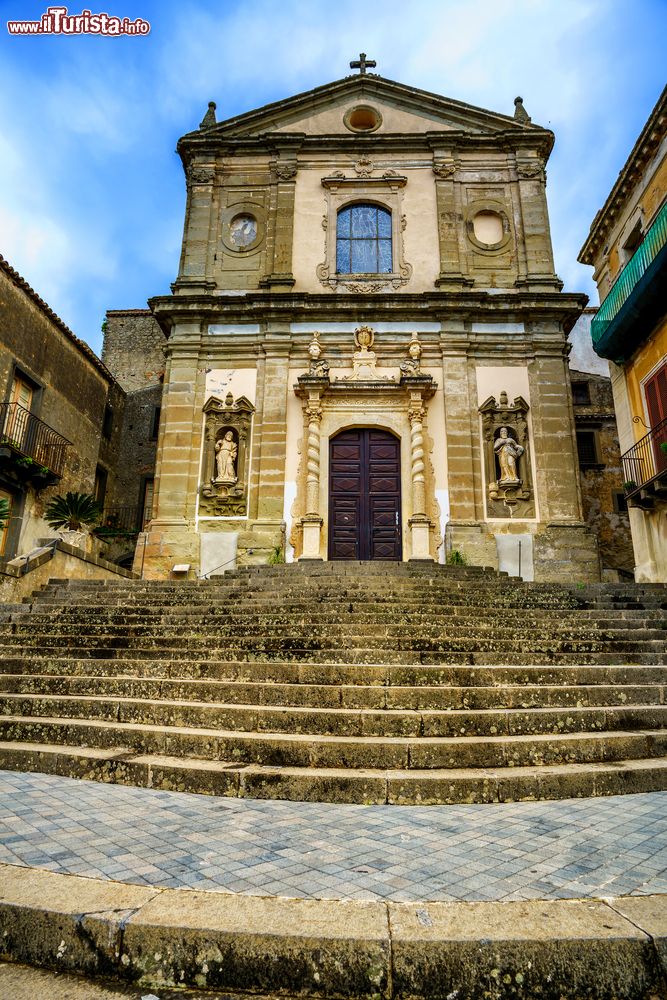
{"x": 92, "y": 192}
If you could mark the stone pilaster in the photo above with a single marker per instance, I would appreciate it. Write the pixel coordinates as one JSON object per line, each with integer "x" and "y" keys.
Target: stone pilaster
{"x": 273, "y": 428}
{"x": 283, "y": 173}
{"x": 535, "y": 228}
{"x": 449, "y": 214}
{"x": 556, "y": 460}
{"x": 192, "y": 274}
{"x": 458, "y": 430}
{"x": 171, "y": 538}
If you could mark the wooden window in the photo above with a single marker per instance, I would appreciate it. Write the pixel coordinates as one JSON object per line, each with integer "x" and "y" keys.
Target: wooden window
{"x": 155, "y": 427}
{"x": 587, "y": 448}
{"x": 21, "y": 396}
{"x": 363, "y": 240}
{"x": 21, "y": 392}
{"x": 4, "y": 495}
{"x": 147, "y": 503}
{"x": 620, "y": 502}
{"x": 101, "y": 477}
{"x": 655, "y": 390}
{"x": 581, "y": 393}
{"x": 107, "y": 421}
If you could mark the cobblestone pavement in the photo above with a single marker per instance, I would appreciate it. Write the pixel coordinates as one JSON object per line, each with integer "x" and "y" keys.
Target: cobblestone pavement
{"x": 528, "y": 850}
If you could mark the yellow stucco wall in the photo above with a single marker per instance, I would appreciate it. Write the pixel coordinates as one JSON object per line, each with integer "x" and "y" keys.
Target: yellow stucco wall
{"x": 650, "y": 356}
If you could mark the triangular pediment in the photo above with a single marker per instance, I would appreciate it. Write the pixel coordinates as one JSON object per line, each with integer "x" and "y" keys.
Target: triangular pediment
{"x": 402, "y": 110}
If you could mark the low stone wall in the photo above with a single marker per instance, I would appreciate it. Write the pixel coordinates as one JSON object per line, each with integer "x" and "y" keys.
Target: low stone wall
{"x": 25, "y": 574}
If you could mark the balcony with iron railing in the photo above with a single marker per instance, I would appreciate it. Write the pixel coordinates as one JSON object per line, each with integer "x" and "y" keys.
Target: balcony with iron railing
{"x": 124, "y": 520}
{"x": 30, "y": 449}
{"x": 645, "y": 468}
{"x": 636, "y": 299}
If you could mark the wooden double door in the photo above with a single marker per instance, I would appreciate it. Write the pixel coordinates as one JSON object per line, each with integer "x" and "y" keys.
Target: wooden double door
{"x": 365, "y": 495}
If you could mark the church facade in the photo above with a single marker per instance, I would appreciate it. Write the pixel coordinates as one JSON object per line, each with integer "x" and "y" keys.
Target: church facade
{"x": 366, "y": 353}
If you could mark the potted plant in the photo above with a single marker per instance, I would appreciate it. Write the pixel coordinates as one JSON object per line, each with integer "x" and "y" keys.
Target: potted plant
{"x": 70, "y": 513}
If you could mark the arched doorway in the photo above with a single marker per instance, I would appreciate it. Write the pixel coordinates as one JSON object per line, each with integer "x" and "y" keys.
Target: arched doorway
{"x": 365, "y": 495}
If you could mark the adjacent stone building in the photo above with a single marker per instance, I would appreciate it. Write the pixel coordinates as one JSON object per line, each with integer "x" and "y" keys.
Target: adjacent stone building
{"x": 627, "y": 245}
{"x": 366, "y": 352}
{"x": 600, "y": 472}
{"x": 61, "y": 413}
{"x": 134, "y": 350}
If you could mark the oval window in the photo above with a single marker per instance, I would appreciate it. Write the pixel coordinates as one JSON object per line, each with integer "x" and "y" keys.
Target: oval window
{"x": 488, "y": 228}
{"x": 363, "y": 119}
{"x": 243, "y": 230}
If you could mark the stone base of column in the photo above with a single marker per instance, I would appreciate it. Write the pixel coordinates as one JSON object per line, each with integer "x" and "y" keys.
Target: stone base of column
{"x": 566, "y": 552}
{"x": 452, "y": 282}
{"x": 420, "y": 539}
{"x": 166, "y": 543}
{"x": 312, "y": 532}
{"x": 473, "y": 542}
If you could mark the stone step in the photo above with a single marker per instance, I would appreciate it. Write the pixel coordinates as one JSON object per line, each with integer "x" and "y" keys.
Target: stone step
{"x": 336, "y": 695}
{"x": 361, "y": 648}
{"x": 340, "y": 721}
{"x": 273, "y": 651}
{"x": 318, "y": 614}
{"x": 374, "y": 674}
{"x": 352, "y": 785}
{"x": 323, "y": 750}
{"x": 485, "y": 603}
{"x": 342, "y": 682}
{"x": 352, "y": 633}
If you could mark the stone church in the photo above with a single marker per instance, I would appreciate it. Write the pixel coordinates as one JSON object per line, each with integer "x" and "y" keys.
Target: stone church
{"x": 366, "y": 342}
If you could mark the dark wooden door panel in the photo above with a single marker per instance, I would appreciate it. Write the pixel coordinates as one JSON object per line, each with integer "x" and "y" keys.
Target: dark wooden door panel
{"x": 365, "y": 495}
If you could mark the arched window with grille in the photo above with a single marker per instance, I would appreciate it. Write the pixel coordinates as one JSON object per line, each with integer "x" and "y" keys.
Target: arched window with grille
{"x": 363, "y": 240}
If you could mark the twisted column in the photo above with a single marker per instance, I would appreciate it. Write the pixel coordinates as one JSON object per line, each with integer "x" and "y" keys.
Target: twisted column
{"x": 313, "y": 459}
{"x": 416, "y": 414}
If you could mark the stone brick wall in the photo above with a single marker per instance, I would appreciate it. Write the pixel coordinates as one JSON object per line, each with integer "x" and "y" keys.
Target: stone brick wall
{"x": 72, "y": 390}
{"x": 602, "y": 479}
{"x": 134, "y": 350}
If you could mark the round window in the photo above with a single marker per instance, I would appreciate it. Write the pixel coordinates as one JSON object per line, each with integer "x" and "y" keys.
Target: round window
{"x": 243, "y": 230}
{"x": 488, "y": 228}
{"x": 363, "y": 118}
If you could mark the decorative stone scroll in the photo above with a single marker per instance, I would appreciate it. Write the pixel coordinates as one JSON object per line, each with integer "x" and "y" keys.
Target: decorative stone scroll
{"x": 507, "y": 462}
{"x": 364, "y": 359}
{"x": 227, "y": 427}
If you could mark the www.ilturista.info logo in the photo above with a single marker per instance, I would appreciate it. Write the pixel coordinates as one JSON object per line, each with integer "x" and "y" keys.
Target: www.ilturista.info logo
{"x": 57, "y": 21}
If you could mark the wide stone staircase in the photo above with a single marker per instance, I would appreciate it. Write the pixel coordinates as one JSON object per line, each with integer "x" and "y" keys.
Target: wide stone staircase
{"x": 347, "y": 682}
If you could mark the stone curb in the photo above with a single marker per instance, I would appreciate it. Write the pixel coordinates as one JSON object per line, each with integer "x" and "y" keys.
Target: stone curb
{"x": 160, "y": 938}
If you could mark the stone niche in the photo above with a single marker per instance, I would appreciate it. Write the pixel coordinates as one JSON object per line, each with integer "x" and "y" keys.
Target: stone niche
{"x": 507, "y": 463}
{"x": 227, "y": 430}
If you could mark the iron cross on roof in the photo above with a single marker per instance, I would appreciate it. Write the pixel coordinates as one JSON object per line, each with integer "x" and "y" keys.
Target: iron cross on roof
{"x": 361, "y": 63}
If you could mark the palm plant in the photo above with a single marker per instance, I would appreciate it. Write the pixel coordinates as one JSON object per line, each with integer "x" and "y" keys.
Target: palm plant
{"x": 72, "y": 511}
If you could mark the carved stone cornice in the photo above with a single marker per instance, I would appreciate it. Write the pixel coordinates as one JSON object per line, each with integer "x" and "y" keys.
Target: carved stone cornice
{"x": 390, "y": 180}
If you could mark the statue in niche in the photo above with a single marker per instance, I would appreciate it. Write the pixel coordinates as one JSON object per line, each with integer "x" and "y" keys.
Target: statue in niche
{"x": 226, "y": 451}
{"x": 508, "y": 451}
